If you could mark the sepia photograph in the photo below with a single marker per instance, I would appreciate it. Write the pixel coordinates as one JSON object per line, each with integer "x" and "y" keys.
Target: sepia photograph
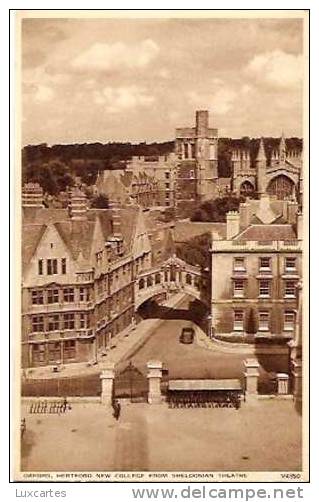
{"x": 162, "y": 179}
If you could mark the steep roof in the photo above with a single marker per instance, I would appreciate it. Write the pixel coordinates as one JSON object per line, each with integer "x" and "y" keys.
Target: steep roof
{"x": 30, "y": 240}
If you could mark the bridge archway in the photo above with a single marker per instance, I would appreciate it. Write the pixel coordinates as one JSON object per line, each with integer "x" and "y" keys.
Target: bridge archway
{"x": 189, "y": 309}
{"x": 174, "y": 275}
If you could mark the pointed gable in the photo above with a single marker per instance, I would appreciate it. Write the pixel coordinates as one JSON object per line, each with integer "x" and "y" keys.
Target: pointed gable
{"x": 141, "y": 241}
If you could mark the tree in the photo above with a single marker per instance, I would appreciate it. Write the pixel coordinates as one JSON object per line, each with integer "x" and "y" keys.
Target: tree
{"x": 217, "y": 209}
{"x": 100, "y": 202}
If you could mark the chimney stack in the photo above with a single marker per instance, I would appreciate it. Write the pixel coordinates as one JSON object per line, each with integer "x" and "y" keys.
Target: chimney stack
{"x": 299, "y": 225}
{"x": 32, "y": 195}
{"x": 77, "y": 204}
{"x": 232, "y": 224}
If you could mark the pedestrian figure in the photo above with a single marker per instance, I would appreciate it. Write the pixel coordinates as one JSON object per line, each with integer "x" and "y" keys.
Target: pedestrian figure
{"x": 23, "y": 426}
{"x": 64, "y": 405}
{"x": 116, "y": 409}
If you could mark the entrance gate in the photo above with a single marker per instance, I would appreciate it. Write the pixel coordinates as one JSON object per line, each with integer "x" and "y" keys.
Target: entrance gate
{"x": 131, "y": 384}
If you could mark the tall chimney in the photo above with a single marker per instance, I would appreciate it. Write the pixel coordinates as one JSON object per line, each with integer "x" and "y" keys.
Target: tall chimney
{"x": 32, "y": 195}
{"x": 77, "y": 204}
{"x": 232, "y": 224}
{"x": 116, "y": 219}
{"x": 299, "y": 225}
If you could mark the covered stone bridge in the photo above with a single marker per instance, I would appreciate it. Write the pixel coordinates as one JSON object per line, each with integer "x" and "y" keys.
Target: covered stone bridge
{"x": 173, "y": 275}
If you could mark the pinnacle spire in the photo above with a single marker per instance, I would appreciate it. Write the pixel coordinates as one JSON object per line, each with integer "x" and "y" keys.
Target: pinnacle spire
{"x": 261, "y": 155}
{"x": 282, "y": 147}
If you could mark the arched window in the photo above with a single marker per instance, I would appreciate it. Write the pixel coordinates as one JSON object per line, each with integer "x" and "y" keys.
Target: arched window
{"x": 149, "y": 281}
{"x": 157, "y": 278}
{"x": 141, "y": 284}
{"x": 281, "y": 186}
{"x": 246, "y": 188}
{"x": 188, "y": 279}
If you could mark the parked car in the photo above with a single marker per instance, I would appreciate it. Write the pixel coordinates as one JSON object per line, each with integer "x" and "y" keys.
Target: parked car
{"x": 187, "y": 335}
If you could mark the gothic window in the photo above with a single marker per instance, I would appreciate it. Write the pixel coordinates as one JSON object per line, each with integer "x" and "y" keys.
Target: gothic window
{"x": 246, "y": 188}
{"x": 282, "y": 187}
{"x": 141, "y": 284}
{"x": 188, "y": 279}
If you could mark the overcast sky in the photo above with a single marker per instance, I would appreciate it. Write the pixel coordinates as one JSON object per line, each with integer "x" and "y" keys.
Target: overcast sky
{"x": 136, "y": 80}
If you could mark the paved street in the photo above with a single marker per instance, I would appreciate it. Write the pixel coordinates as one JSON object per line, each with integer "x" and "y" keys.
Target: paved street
{"x": 156, "y": 438}
{"x": 191, "y": 361}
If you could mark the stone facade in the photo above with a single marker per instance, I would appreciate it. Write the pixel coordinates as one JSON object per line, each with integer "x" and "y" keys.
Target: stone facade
{"x": 79, "y": 271}
{"x": 279, "y": 173}
{"x": 255, "y": 272}
{"x": 196, "y": 149}
{"x": 189, "y": 174}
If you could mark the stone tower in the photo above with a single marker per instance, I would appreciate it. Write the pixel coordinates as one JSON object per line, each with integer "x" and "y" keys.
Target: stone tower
{"x": 206, "y": 155}
{"x": 196, "y": 149}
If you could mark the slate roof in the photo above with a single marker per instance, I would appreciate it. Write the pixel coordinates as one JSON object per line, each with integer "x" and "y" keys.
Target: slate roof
{"x": 273, "y": 232}
{"x": 76, "y": 235}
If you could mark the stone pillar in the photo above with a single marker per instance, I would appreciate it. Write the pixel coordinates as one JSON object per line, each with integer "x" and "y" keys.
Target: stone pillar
{"x": 154, "y": 382}
{"x": 183, "y": 150}
{"x": 107, "y": 380}
{"x": 251, "y": 376}
{"x": 297, "y": 378}
{"x": 282, "y": 383}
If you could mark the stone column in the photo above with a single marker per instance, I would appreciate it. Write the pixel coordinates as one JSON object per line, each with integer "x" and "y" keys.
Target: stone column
{"x": 251, "y": 376}
{"x": 183, "y": 150}
{"x": 107, "y": 380}
{"x": 282, "y": 383}
{"x": 297, "y": 378}
{"x": 154, "y": 382}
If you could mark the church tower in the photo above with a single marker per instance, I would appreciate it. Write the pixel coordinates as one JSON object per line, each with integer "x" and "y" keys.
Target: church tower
{"x": 205, "y": 154}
